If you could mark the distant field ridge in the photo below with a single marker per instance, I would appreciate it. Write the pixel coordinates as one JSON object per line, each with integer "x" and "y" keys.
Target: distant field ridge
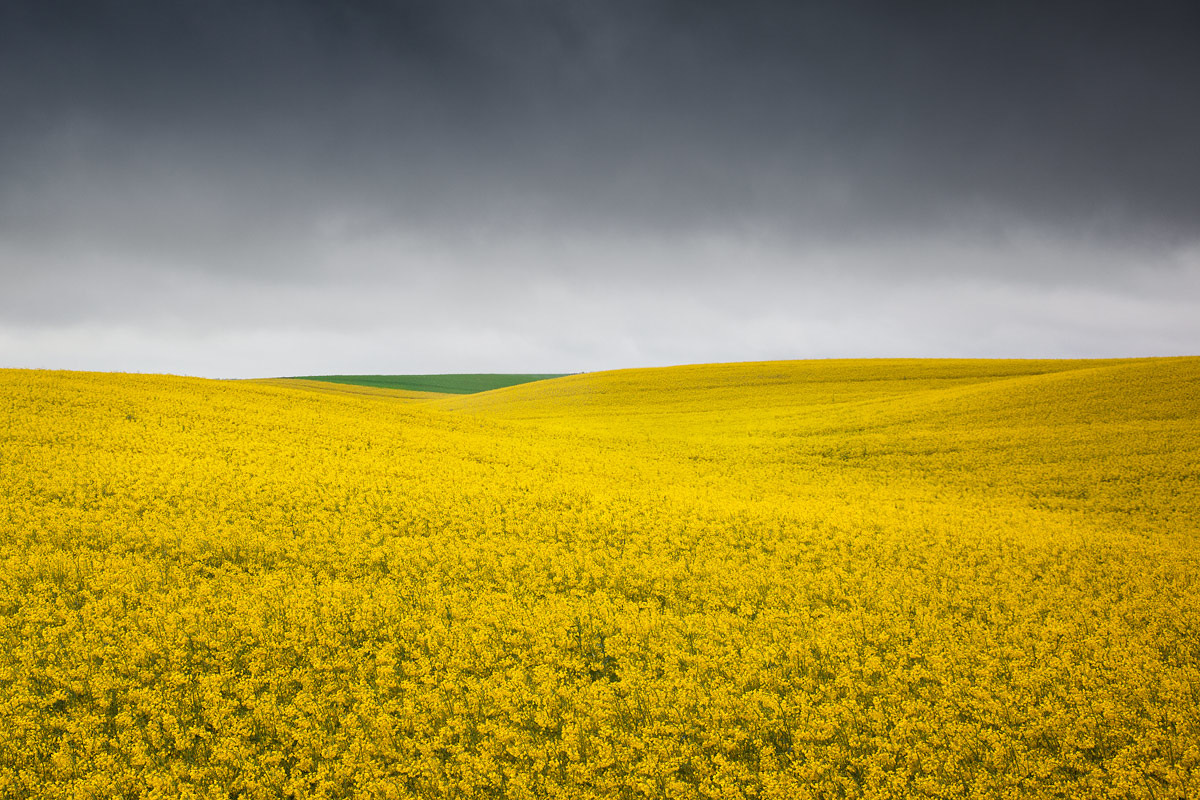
{"x": 447, "y": 383}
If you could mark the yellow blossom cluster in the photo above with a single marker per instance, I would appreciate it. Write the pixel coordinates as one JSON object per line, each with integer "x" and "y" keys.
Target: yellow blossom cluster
{"x": 876, "y": 579}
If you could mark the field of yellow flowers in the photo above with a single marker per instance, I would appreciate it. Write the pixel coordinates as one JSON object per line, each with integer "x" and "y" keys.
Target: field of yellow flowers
{"x": 878, "y": 579}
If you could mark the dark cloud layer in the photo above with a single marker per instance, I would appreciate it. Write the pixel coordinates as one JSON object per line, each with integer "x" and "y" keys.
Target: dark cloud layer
{"x": 690, "y": 114}
{"x": 292, "y": 143}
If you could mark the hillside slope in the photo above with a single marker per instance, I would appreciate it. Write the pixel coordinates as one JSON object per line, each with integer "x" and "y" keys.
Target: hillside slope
{"x": 907, "y": 579}
{"x": 771, "y": 386}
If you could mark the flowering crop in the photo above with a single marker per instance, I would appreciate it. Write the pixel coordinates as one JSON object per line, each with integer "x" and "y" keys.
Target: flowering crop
{"x": 877, "y": 579}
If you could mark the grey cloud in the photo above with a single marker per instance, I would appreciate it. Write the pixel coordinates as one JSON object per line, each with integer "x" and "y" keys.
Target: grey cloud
{"x": 308, "y": 169}
{"x": 564, "y": 328}
{"x": 673, "y": 115}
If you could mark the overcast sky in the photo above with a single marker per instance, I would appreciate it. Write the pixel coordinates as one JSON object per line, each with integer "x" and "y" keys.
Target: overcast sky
{"x": 254, "y": 188}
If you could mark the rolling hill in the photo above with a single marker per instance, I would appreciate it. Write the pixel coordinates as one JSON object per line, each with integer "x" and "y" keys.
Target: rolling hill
{"x": 905, "y": 578}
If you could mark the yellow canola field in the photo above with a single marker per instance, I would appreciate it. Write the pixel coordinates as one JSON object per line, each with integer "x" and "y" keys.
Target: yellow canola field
{"x": 882, "y": 579}
{"x": 328, "y": 387}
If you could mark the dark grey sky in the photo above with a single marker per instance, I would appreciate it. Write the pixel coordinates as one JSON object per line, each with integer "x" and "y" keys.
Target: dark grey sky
{"x": 250, "y": 188}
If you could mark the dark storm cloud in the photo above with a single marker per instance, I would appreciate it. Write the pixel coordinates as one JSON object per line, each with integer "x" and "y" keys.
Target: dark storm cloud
{"x": 817, "y": 116}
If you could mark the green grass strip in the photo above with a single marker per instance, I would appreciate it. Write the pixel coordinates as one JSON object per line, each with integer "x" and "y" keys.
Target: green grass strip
{"x": 447, "y": 384}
